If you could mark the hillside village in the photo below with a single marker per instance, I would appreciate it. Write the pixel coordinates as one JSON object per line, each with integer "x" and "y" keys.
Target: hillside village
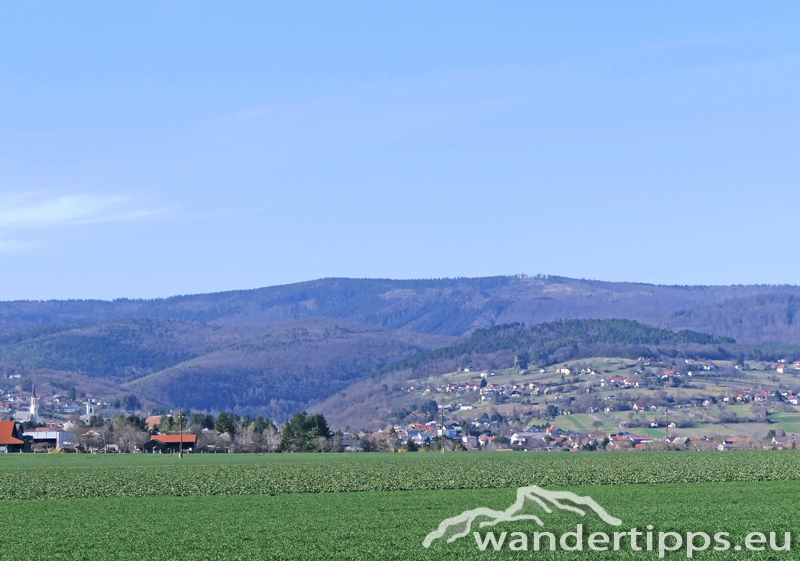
{"x": 609, "y": 404}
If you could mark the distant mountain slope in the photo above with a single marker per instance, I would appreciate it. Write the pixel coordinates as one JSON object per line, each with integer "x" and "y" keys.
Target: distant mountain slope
{"x": 448, "y": 306}
{"x": 753, "y": 314}
{"x": 762, "y": 318}
{"x": 120, "y": 349}
{"x": 282, "y": 372}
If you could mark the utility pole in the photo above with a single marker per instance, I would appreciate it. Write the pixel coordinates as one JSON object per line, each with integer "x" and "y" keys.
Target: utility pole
{"x": 180, "y": 428}
{"x": 441, "y": 441}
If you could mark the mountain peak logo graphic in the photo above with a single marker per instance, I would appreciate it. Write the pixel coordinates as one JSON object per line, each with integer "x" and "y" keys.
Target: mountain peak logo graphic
{"x": 459, "y": 526}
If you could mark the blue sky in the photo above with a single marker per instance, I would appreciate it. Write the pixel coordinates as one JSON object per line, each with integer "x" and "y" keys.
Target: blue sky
{"x": 157, "y": 148}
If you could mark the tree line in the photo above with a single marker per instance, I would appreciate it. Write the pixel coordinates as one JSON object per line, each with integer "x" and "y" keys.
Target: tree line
{"x": 227, "y": 432}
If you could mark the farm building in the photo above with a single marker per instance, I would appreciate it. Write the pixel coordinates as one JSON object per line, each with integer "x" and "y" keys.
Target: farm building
{"x": 167, "y": 443}
{"x": 51, "y": 438}
{"x": 9, "y": 437}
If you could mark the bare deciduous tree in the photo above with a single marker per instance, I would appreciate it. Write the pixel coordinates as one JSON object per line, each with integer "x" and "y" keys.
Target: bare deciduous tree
{"x": 128, "y": 438}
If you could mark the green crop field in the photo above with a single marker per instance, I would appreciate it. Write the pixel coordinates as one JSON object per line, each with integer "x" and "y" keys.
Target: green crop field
{"x": 374, "y": 506}
{"x": 339, "y": 473}
{"x": 374, "y": 526}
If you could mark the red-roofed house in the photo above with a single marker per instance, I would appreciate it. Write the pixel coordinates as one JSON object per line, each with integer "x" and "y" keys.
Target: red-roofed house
{"x": 9, "y": 437}
{"x": 154, "y": 420}
{"x": 553, "y": 430}
{"x": 170, "y": 443}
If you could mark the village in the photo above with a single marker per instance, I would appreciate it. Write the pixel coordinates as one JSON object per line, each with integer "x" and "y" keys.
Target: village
{"x": 614, "y": 404}
{"x": 586, "y": 405}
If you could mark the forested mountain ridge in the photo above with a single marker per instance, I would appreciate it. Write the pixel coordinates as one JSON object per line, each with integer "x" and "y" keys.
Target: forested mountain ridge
{"x": 750, "y": 314}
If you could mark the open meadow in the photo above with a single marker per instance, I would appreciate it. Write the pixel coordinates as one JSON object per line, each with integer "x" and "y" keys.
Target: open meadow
{"x": 375, "y": 506}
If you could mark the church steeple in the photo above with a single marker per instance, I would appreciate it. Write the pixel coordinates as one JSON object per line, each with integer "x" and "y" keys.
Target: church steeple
{"x": 34, "y": 416}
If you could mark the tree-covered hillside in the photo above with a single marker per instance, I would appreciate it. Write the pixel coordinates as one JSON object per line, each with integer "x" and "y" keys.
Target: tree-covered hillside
{"x": 262, "y": 369}
{"x": 280, "y": 373}
{"x": 120, "y": 349}
{"x": 552, "y": 342}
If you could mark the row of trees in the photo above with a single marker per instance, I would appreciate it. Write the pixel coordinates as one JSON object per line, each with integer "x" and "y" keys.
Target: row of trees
{"x": 227, "y": 432}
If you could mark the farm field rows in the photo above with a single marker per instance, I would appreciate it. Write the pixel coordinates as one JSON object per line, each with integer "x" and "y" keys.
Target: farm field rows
{"x": 286, "y": 473}
{"x": 376, "y": 525}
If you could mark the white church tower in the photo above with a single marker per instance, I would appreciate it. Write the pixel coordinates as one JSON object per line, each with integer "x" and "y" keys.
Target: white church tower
{"x": 32, "y": 415}
{"x": 34, "y": 412}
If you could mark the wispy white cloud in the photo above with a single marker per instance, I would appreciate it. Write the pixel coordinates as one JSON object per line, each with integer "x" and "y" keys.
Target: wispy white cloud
{"x": 31, "y": 212}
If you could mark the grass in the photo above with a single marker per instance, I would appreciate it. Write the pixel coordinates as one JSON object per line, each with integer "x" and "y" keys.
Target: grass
{"x": 789, "y": 422}
{"x": 373, "y": 526}
{"x": 584, "y": 422}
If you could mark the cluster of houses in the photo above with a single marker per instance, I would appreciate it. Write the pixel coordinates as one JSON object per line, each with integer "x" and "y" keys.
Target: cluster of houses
{"x": 59, "y": 436}
{"x": 509, "y": 390}
{"x": 420, "y": 433}
{"x": 505, "y": 392}
{"x": 782, "y": 368}
{"x": 748, "y": 395}
{"x": 54, "y": 439}
{"x": 550, "y": 439}
{"x": 20, "y": 405}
